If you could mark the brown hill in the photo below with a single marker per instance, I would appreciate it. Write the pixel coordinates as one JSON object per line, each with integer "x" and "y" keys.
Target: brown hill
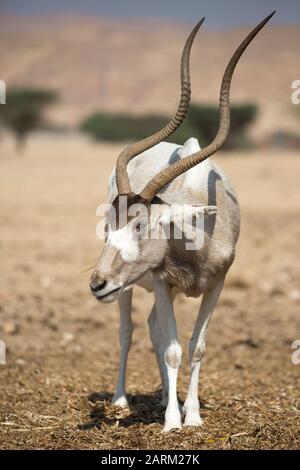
{"x": 97, "y": 63}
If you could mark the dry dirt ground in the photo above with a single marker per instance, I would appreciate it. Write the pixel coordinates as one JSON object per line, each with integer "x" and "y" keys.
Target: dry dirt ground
{"x": 62, "y": 356}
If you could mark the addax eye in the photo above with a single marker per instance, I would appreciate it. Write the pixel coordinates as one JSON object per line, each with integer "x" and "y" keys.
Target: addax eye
{"x": 140, "y": 226}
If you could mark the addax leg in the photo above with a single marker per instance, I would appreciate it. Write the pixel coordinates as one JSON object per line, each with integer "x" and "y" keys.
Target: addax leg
{"x": 191, "y": 406}
{"x": 172, "y": 353}
{"x": 126, "y": 328}
{"x": 159, "y": 348}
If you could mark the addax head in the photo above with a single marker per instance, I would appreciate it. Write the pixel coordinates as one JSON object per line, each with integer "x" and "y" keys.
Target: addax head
{"x": 137, "y": 235}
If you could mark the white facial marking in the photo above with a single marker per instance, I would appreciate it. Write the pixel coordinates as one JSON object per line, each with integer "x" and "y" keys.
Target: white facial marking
{"x": 123, "y": 240}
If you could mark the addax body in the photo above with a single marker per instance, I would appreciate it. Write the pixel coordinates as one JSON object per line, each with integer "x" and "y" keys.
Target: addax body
{"x": 162, "y": 185}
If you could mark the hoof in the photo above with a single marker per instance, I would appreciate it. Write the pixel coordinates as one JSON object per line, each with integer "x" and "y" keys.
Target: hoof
{"x": 120, "y": 401}
{"x": 172, "y": 426}
{"x": 172, "y": 419}
{"x": 193, "y": 420}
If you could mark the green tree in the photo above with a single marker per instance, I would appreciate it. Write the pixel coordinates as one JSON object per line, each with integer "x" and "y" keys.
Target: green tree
{"x": 23, "y": 111}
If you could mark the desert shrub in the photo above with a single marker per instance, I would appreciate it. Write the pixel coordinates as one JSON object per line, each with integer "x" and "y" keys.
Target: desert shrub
{"x": 202, "y": 122}
{"x": 283, "y": 140}
{"x": 121, "y": 127}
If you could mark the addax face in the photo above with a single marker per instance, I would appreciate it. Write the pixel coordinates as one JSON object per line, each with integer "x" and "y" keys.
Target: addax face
{"x": 129, "y": 252}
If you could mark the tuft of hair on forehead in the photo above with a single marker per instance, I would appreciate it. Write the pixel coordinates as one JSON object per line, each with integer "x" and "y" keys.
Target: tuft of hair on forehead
{"x": 122, "y": 204}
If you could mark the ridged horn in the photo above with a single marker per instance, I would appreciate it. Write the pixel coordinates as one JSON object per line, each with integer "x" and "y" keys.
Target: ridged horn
{"x": 168, "y": 174}
{"x": 130, "y": 152}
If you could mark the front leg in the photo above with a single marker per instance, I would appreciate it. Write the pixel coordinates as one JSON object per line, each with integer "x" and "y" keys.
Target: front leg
{"x": 172, "y": 349}
{"x": 125, "y": 335}
{"x": 157, "y": 339}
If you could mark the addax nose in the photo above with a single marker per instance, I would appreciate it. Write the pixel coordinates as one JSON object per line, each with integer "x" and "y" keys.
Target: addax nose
{"x": 97, "y": 283}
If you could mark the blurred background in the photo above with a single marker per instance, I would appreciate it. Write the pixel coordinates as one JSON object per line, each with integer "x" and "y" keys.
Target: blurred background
{"x": 82, "y": 79}
{"x": 107, "y": 64}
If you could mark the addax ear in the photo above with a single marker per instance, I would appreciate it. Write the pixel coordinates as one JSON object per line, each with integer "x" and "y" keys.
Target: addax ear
{"x": 177, "y": 213}
{"x": 208, "y": 210}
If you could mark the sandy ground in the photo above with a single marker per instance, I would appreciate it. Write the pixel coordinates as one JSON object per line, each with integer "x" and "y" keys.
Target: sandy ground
{"x": 62, "y": 345}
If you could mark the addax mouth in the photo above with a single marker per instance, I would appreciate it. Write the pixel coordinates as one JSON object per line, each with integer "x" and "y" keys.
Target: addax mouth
{"x": 107, "y": 294}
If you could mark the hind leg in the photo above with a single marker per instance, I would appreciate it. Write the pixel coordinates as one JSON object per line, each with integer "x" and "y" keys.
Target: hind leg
{"x": 197, "y": 345}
